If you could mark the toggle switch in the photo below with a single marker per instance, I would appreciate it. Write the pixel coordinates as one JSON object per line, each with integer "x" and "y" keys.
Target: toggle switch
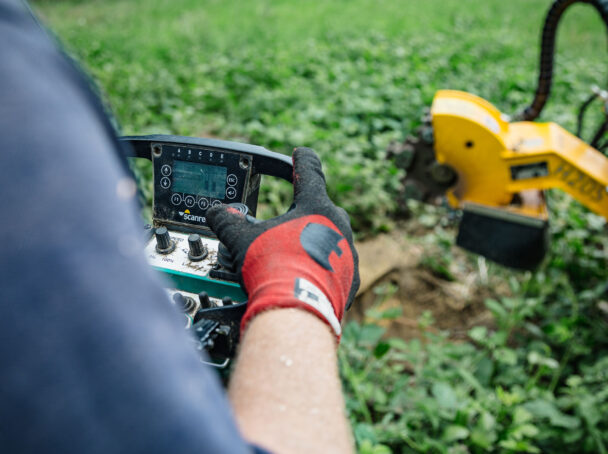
{"x": 185, "y": 303}
{"x": 205, "y": 301}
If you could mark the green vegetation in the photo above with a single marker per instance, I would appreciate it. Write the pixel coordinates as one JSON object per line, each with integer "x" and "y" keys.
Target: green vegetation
{"x": 346, "y": 78}
{"x": 537, "y": 382}
{"x": 343, "y": 77}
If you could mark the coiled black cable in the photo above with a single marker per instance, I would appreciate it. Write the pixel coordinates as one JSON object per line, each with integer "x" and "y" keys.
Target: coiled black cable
{"x": 547, "y": 51}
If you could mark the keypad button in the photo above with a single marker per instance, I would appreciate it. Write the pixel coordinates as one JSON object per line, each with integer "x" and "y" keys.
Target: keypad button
{"x": 231, "y": 193}
{"x": 165, "y": 170}
{"x": 176, "y": 199}
{"x": 232, "y": 180}
{"x": 189, "y": 201}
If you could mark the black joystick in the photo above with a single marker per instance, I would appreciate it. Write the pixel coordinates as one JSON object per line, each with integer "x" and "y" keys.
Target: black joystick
{"x": 205, "y": 301}
{"x": 185, "y": 303}
{"x": 164, "y": 243}
{"x": 197, "y": 251}
{"x": 225, "y": 268}
{"x": 225, "y": 258}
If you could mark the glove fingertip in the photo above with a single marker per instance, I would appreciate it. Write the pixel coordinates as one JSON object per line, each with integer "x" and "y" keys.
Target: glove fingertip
{"x": 305, "y": 154}
{"x": 213, "y": 213}
{"x": 308, "y": 174}
{"x": 216, "y": 215}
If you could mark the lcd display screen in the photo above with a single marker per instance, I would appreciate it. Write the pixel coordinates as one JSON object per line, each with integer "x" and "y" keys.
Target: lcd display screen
{"x": 199, "y": 179}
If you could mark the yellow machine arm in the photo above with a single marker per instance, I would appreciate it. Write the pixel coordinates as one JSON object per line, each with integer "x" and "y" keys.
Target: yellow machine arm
{"x": 494, "y": 170}
{"x": 496, "y": 161}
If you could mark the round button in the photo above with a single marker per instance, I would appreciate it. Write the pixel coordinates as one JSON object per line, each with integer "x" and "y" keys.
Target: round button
{"x": 231, "y": 193}
{"x": 203, "y": 203}
{"x": 176, "y": 199}
{"x": 216, "y": 203}
{"x": 241, "y": 207}
{"x": 165, "y": 170}
{"x": 232, "y": 179}
{"x": 165, "y": 183}
{"x": 189, "y": 201}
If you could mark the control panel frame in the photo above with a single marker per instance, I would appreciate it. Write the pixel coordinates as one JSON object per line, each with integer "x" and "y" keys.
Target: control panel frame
{"x": 244, "y": 161}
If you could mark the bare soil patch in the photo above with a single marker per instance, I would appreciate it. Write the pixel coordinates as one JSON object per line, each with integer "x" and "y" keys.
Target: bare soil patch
{"x": 394, "y": 261}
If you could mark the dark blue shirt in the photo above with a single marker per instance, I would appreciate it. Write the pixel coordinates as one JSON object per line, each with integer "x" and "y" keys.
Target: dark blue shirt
{"x": 93, "y": 356}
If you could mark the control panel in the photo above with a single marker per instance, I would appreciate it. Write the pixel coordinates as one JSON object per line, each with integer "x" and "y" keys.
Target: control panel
{"x": 190, "y": 179}
{"x": 190, "y": 176}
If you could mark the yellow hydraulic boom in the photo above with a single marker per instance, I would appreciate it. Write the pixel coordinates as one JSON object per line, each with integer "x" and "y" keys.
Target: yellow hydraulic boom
{"x": 496, "y": 160}
{"x": 495, "y": 169}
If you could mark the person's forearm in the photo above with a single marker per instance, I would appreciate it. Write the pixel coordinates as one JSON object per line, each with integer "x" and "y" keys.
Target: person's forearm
{"x": 285, "y": 388}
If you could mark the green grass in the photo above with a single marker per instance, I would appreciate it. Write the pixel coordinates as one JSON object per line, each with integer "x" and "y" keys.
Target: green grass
{"x": 343, "y": 77}
{"x": 221, "y": 25}
{"x": 346, "y": 78}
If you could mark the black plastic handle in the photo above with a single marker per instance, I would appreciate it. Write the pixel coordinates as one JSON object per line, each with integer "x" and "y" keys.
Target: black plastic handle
{"x": 265, "y": 162}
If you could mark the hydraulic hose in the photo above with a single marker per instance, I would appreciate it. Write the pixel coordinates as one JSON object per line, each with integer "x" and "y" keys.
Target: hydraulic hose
{"x": 547, "y": 51}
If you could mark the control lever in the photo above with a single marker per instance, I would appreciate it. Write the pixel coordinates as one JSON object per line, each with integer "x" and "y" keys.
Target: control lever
{"x": 225, "y": 268}
{"x": 206, "y": 303}
{"x": 225, "y": 259}
{"x": 185, "y": 303}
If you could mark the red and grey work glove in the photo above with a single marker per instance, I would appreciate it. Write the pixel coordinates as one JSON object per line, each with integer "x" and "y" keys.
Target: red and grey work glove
{"x": 303, "y": 259}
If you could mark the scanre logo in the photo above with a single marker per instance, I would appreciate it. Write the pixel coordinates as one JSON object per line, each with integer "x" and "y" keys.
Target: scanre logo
{"x": 189, "y": 217}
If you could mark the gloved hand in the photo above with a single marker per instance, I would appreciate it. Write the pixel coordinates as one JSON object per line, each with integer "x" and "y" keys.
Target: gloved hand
{"x": 304, "y": 258}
